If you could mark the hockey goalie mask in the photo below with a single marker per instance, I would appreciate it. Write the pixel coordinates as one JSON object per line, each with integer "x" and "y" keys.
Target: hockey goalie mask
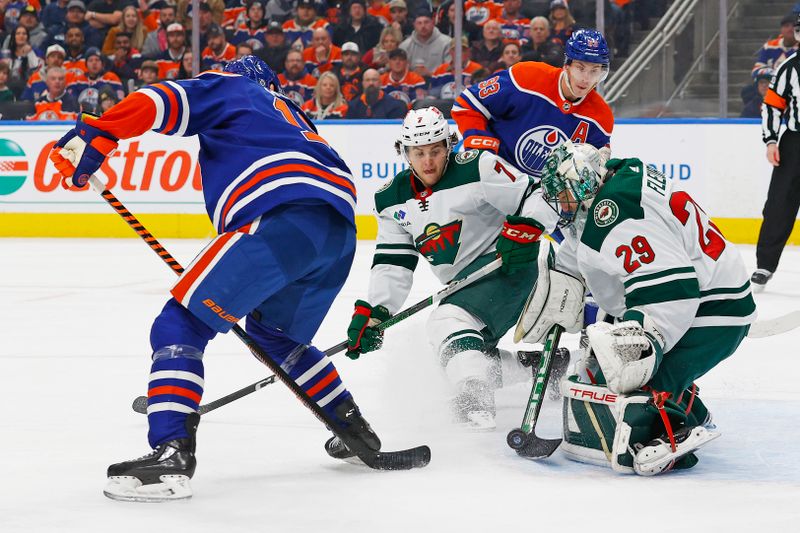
{"x": 571, "y": 179}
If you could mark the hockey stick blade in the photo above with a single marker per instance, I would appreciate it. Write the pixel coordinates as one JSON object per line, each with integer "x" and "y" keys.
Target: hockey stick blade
{"x": 530, "y": 446}
{"x": 400, "y": 460}
{"x": 775, "y": 326}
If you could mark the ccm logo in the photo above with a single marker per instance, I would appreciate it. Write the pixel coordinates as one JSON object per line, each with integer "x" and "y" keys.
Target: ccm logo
{"x": 520, "y": 235}
{"x": 482, "y": 143}
{"x": 582, "y": 394}
{"x": 211, "y": 304}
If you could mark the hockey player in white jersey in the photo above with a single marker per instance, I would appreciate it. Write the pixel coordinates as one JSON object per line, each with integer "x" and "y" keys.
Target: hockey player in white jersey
{"x": 682, "y": 303}
{"x": 459, "y": 212}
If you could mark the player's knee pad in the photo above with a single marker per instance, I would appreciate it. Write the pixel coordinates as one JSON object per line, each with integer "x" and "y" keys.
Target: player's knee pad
{"x": 605, "y": 428}
{"x": 175, "y": 325}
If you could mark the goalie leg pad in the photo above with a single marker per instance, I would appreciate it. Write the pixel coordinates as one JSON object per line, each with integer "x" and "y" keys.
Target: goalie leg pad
{"x": 557, "y": 298}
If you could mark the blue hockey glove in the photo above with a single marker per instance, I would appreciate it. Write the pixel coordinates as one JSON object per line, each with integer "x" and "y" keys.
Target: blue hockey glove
{"x": 362, "y": 335}
{"x": 518, "y": 242}
{"x": 79, "y": 153}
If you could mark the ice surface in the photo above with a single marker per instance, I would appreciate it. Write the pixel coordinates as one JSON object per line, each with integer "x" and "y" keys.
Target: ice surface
{"x": 74, "y": 352}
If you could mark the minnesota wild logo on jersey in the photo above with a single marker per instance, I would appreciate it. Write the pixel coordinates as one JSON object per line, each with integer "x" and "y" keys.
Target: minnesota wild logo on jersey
{"x": 439, "y": 244}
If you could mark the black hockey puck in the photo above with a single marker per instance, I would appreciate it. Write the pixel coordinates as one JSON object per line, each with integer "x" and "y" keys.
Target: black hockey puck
{"x": 517, "y": 438}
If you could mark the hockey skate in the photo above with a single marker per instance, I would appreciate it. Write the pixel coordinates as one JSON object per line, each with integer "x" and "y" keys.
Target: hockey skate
{"x": 657, "y": 456}
{"x": 759, "y": 279}
{"x": 162, "y": 475}
{"x": 473, "y": 407}
{"x": 354, "y": 426}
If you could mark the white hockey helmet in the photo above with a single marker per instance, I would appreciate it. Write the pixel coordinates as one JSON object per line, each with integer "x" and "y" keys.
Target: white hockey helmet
{"x": 425, "y": 126}
{"x": 573, "y": 173}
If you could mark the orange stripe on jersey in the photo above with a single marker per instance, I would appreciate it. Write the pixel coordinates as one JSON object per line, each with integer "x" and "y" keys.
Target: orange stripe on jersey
{"x": 177, "y": 391}
{"x": 468, "y": 118}
{"x": 190, "y": 276}
{"x": 324, "y": 382}
{"x": 172, "y": 108}
{"x": 277, "y": 170}
{"x": 773, "y": 100}
{"x": 130, "y": 118}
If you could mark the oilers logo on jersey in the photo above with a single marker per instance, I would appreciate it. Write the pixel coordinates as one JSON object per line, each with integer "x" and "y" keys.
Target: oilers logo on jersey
{"x": 535, "y": 145}
{"x": 440, "y": 244}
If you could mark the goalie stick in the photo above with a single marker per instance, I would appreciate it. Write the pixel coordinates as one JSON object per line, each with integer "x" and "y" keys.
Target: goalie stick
{"x": 140, "y": 403}
{"x": 416, "y": 457}
{"x": 524, "y": 439}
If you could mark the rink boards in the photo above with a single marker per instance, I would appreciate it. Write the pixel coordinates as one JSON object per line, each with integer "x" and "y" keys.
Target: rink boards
{"x": 721, "y": 163}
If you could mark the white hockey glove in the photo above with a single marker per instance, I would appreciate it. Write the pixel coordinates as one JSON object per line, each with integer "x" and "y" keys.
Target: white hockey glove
{"x": 628, "y": 353}
{"x": 557, "y": 298}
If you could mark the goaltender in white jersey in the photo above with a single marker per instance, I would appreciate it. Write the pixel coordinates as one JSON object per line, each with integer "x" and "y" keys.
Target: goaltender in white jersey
{"x": 459, "y": 212}
{"x": 681, "y": 296}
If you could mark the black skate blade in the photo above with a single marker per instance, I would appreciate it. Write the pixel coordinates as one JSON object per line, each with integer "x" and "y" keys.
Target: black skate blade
{"x": 537, "y": 448}
{"x": 400, "y": 460}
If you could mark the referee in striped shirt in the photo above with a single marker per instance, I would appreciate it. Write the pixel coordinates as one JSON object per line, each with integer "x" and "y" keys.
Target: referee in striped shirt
{"x": 782, "y": 101}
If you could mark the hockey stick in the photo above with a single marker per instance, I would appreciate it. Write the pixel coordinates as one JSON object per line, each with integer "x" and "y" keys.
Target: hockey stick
{"x": 399, "y": 460}
{"x": 140, "y": 404}
{"x": 775, "y": 326}
{"x": 524, "y": 439}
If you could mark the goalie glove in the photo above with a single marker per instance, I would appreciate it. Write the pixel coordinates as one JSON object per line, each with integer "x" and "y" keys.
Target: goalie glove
{"x": 362, "y": 335}
{"x": 81, "y": 152}
{"x": 518, "y": 243}
{"x": 627, "y": 352}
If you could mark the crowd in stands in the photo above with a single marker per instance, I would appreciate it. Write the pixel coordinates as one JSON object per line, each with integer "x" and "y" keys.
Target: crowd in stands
{"x": 354, "y": 59}
{"x": 771, "y": 55}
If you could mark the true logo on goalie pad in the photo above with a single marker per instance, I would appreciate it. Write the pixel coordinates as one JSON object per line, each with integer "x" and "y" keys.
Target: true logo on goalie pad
{"x": 605, "y": 213}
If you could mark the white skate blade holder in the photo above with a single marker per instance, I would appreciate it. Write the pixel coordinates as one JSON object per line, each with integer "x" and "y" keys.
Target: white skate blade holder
{"x": 130, "y": 489}
{"x": 653, "y": 460}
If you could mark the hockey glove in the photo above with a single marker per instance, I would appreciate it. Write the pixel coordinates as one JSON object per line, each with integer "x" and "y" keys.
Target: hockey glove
{"x": 362, "y": 335}
{"x": 79, "y": 153}
{"x": 518, "y": 243}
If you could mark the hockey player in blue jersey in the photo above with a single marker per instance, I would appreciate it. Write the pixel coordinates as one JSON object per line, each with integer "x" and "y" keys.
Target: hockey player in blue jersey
{"x": 526, "y": 111}
{"x": 282, "y": 202}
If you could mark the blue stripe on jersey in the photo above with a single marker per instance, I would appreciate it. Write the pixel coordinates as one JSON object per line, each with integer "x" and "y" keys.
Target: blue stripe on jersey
{"x": 179, "y": 103}
{"x": 165, "y": 101}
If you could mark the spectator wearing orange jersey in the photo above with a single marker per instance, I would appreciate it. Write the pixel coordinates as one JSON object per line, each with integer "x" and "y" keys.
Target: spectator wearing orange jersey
{"x": 156, "y": 41}
{"x": 296, "y": 82}
{"x": 443, "y": 80}
{"x": 300, "y": 29}
{"x": 322, "y": 55}
{"x": 74, "y": 62}
{"x": 328, "y": 101}
{"x": 381, "y": 11}
{"x": 55, "y": 103}
{"x": 219, "y": 51}
{"x": 36, "y": 83}
{"x": 776, "y": 51}
{"x": 169, "y": 61}
{"x": 400, "y": 82}
{"x": 96, "y": 78}
{"x": 482, "y": 11}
